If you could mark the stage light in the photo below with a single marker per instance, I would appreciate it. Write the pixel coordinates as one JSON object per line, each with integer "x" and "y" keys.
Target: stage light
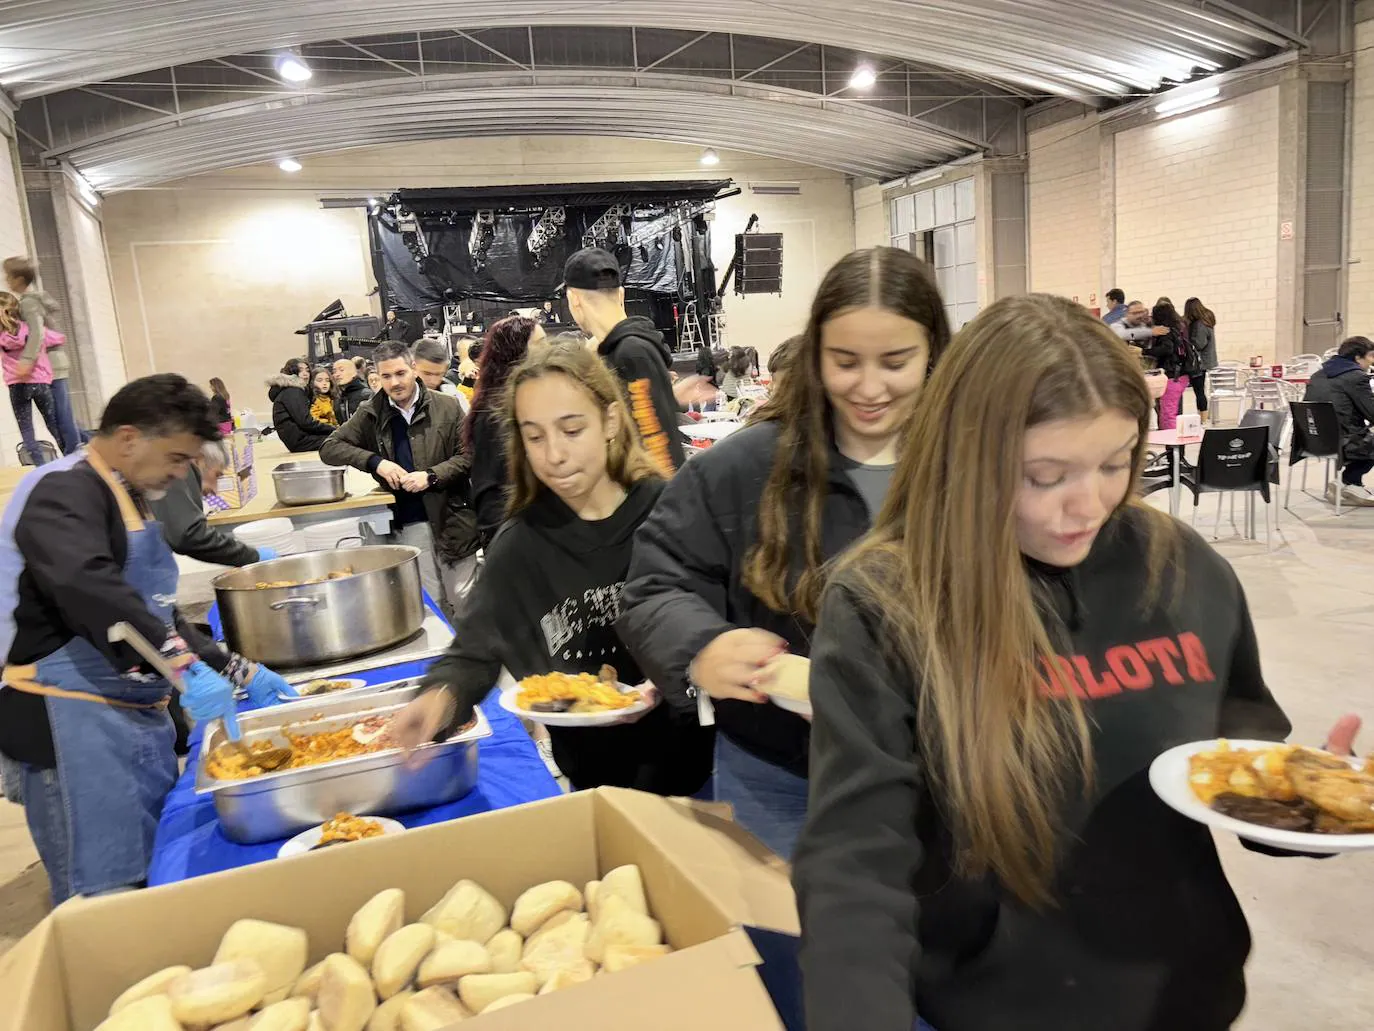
{"x": 710, "y": 157}
{"x": 292, "y": 69}
{"x": 863, "y": 78}
{"x": 1187, "y": 100}
{"x": 289, "y": 165}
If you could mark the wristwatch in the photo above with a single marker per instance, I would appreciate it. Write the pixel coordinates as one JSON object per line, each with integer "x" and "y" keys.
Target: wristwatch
{"x": 433, "y": 479}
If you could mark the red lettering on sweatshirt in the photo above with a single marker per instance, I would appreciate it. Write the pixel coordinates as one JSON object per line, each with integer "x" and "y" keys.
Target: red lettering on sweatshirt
{"x": 1132, "y": 667}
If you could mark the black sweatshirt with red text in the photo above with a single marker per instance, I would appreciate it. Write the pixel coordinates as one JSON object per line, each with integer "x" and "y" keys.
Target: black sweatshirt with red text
{"x": 1145, "y": 933}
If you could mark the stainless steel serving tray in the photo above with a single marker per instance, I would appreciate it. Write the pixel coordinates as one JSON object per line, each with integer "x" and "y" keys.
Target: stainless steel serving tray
{"x": 277, "y": 805}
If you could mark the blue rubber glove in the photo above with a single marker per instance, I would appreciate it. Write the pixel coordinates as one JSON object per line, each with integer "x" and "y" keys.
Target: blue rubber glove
{"x": 268, "y": 688}
{"x": 208, "y": 696}
{"x": 267, "y": 554}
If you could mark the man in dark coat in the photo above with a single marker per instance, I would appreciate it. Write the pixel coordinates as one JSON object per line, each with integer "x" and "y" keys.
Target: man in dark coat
{"x": 1344, "y": 382}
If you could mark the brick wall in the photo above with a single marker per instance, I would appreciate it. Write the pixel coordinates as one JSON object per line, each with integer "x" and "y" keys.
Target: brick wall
{"x": 1360, "y": 318}
{"x": 871, "y": 225}
{"x": 1197, "y": 215}
{"x": 1065, "y": 210}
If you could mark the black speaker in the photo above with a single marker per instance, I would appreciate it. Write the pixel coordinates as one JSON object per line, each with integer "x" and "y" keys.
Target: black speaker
{"x": 760, "y": 263}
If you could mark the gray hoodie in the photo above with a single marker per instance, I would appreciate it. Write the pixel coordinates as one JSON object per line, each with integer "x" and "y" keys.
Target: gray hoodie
{"x": 36, "y": 308}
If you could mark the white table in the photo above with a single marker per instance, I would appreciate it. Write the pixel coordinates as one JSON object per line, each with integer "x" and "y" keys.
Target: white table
{"x": 1175, "y": 444}
{"x": 712, "y": 431}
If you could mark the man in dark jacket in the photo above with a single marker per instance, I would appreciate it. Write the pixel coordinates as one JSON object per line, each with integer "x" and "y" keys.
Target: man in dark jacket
{"x": 1344, "y": 382}
{"x": 181, "y": 514}
{"x": 411, "y": 440}
{"x": 635, "y": 350}
{"x": 298, "y": 429}
{"x": 352, "y": 390}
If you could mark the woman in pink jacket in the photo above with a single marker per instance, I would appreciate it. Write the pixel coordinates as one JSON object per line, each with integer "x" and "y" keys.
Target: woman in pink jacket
{"x": 35, "y": 388}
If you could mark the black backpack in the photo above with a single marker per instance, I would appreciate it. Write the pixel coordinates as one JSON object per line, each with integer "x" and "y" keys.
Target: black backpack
{"x": 1189, "y": 357}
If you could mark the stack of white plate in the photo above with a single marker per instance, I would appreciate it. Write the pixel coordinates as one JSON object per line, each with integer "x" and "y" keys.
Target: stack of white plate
{"x": 337, "y": 533}
{"x": 278, "y": 534}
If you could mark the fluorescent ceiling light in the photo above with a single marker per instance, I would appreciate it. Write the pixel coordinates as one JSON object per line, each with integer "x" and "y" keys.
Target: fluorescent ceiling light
{"x": 289, "y": 165}
{"x": 1187, "y": 100}
{"x": 863, "y": 78}
{"x": 710, "y": 157}
{"x": 930, "y": 177}
{"x": 292, "y": 68}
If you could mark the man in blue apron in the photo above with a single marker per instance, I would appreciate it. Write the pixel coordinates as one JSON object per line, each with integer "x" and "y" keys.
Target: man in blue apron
{"x": 86, "y": 725}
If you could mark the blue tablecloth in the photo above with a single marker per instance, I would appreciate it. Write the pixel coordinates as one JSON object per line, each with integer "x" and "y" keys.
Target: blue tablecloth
{"x": 189, "y": 842}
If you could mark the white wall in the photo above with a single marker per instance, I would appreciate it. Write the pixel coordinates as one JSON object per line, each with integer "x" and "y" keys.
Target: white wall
{"x": 872, "y": 227}
{"x": 1197, "y": 215}
{"x": 206, "y": 287}
{"x": 92, "y": 270}
{"x": 1064, "y": 228}
{"x": 1360, "y": 318}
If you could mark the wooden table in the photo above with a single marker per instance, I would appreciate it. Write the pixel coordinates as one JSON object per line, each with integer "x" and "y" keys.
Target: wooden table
{"x": 363, "y": 492}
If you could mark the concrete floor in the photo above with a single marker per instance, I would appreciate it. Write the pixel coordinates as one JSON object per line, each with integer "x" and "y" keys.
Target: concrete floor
{"x": 1312, "y": 598}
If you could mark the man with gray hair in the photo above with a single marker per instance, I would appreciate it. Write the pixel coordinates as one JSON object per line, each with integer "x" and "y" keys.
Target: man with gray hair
{"x": 181, "y": 513}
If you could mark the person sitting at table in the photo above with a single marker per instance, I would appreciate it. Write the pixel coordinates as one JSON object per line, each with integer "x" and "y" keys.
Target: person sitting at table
{"x": 86, "y": 721}
{"x": 728, "y": 568}
{"x": 291, "y": 408}
{"x": 1343, "y": 381}
{"x": 549, "y": 593}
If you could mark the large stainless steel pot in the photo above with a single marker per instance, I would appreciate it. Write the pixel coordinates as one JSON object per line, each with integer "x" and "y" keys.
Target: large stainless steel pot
{"x": 308, "y": 483}
{"x": 378, "y": 604}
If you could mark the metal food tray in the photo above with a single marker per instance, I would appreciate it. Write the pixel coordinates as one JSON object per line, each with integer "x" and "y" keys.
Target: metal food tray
{"x": 278, "y": 805}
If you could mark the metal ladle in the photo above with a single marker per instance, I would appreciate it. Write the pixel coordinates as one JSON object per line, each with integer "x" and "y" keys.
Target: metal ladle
{"x": 269, "y": 760}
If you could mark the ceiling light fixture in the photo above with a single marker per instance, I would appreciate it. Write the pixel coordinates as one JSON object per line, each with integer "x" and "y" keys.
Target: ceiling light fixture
{"x": 710, "y": 157}
{"x": 863, "y": 78}
{"x": 289, "y": 165}
{"x": 1178, "y": 101}
{"x": 292, "y": 68}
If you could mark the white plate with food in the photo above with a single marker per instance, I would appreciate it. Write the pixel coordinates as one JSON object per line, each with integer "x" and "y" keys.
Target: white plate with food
{"x": 326, "y": 686}
{"x": 788, "y": 684}
{"x": 574, "y": 699}
{"x": 1285, "y": 796}
{"x": 342, "y": 829}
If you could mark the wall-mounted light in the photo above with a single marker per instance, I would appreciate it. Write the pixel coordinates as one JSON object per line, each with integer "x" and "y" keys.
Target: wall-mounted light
{"x": 710, "y": 157}
{"x": 863, "y": 78}
{"x": 292, "y": 68}
{"x": 1187, "y": 99}
{"x": 289, "y": 165}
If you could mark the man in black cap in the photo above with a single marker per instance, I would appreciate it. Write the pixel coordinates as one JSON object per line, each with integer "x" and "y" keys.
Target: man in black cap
{"x": 633, "y": 348}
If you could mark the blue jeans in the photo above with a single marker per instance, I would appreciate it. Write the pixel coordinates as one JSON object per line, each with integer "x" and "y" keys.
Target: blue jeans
{"x": 24, "y": 397}
{"x": 769, "y": 802}
{"x": 66, "y": 422}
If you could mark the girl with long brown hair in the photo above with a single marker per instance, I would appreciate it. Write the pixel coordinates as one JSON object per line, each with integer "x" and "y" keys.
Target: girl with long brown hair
{"x": 222, "y": 405}
{"x": 727, "y": 570}
{"x": 1202, "y": 325}
{"x": 996, "y": 666}
{"x": 549, "y": 594}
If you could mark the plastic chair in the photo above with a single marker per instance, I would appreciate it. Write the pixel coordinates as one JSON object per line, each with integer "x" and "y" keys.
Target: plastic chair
{"x": 1272, "y": 393}
{"x": 1226, "y": 383}
{"x": 1277, "y": 423}
{"x": 1301, "y": 366}
{"x": 41, "y": 453}
{"x": 1232, "y": 461}
{"x": 1316, "y": 434}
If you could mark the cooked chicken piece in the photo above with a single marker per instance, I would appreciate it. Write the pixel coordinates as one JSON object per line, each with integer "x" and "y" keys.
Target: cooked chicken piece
{"x": 1333, "y": 786}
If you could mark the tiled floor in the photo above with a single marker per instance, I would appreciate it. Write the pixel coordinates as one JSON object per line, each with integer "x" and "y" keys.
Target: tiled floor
{"x": 1312, "y": 598}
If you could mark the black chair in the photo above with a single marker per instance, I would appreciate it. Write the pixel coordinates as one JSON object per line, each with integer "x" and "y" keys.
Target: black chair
{"x": 41, "y": 453}
{"x": 1277, "y": 422}
{"x": 1316, "y": 434}
{"x": 1232, "y": 461}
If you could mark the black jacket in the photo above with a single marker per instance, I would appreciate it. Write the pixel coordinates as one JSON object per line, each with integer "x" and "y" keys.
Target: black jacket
{"x": 684, "y": 588}
{"x": 547, "y": 600}
{"x": 350, "y": 398}
{"x": 490, "y": 474}
{"x": 1345, "y": 385}
{"x": 436, "y": 444}
{"x": 182, "y": 515}
{"x": 1145, "y": 933}
{"x": 640, "y": 357}
{"x": 298, "y": 429}
{"x": 1167, "y": 352}
{"x": 220, "y": 408}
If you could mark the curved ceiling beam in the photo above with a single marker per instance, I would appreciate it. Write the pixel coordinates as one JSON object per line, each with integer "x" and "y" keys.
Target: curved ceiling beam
{"x": 1050, "y": 46}
{"x": 855, "y": 141}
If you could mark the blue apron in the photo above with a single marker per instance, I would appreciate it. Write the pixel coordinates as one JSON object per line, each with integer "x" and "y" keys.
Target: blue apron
{"x": 112, "y": 737}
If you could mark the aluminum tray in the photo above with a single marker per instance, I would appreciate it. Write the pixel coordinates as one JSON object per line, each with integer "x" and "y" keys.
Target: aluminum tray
{"x": 278, "y": 805}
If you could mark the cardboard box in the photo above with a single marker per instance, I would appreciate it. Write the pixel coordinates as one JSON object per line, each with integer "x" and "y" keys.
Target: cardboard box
{"x": 233, "y": 490}
{"x": 240, "y": 451}
{"x": 703, "y": 878}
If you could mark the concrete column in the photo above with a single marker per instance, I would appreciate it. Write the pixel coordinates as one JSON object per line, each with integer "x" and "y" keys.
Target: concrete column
{"x": 1107, "y": 220}
{"x": 1292, "y": 210}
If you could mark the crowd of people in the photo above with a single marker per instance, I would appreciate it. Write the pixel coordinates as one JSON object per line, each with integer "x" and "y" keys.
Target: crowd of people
{"x": 942, "y": 526}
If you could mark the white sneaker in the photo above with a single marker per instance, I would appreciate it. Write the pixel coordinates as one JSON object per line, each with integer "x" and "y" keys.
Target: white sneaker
{"x": 545, "y": 747}
{"x": 1358, "y": 496}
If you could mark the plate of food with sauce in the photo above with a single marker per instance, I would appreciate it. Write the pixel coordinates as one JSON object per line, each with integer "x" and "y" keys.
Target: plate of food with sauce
{"x": 576, "y": 699}
{"x": 340, "y": 830}
{"x": 1281, "y": 795}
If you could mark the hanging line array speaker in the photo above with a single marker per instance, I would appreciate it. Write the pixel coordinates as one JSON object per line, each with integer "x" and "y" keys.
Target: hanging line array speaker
{"x": 760, "y": 263}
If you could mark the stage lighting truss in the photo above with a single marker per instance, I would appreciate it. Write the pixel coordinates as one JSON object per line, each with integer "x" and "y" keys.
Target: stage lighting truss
{"x": 547, "y": 230}
{"x": 483, "y": 233}
{"x": 606, "y": 230}
{"x": 677, "y": 217}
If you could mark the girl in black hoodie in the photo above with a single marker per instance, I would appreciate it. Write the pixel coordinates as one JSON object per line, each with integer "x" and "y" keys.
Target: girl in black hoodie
{"x": 996, "y": 667}
{"x": 548, "y": 597}
{"x": 726, "y": 571}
